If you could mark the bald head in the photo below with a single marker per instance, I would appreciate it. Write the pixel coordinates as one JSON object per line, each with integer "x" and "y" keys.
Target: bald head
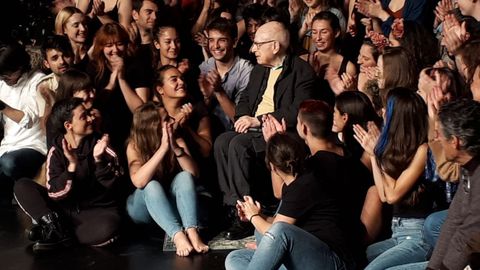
{"x": 275, "y": 31}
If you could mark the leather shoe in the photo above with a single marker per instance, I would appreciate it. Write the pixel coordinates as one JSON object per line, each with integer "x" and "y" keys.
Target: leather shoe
{"x": 34, "y": 233}
{"x": 239, "y": 230}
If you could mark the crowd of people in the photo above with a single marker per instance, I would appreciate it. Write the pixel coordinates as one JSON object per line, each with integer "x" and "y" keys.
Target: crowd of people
{"x": 342, "y": 134}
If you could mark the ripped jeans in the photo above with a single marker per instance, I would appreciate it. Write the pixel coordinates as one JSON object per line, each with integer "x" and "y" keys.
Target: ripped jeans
{"x": 173, "y": 208}
{"x": 288, "y": 245}
{"x": 407, "y": 245}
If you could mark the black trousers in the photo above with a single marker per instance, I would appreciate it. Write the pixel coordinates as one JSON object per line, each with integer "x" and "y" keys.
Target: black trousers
{"x": 91, "y": 226}
{"x": 241, "y": 166}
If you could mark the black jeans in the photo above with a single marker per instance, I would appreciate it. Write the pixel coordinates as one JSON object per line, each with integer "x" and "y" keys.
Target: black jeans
{"x": 91, "y": 226}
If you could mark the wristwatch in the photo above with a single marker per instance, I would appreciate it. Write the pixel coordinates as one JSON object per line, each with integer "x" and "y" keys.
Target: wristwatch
{"x": 179, "y": 151}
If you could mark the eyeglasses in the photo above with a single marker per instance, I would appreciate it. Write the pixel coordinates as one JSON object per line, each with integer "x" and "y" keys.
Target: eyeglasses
{"x": 259, "y": 44}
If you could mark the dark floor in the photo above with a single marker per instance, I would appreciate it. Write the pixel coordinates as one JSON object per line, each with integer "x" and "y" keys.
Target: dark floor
{"x": 132, "y": 251}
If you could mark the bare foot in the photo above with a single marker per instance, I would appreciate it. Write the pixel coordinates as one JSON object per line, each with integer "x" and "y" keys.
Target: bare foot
{"x": 251, "y": 245}
{"x": 182, "y": 244}
{"x": 196, "y": 241}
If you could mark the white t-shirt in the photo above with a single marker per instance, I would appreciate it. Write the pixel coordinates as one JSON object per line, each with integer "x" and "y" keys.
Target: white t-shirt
{"x": 27, "y": 133}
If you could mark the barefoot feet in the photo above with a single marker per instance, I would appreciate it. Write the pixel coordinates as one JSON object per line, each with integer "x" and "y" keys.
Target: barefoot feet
{"x": 196, "y": 241}
{"x": 182, "y": 244}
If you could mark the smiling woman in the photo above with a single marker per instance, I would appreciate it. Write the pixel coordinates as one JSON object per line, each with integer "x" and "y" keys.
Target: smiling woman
{"x": 120, "y": 86}
{"x": 71, "y": 22}
{"x": 190, "y": 119}
{"x": 78, "y": 161}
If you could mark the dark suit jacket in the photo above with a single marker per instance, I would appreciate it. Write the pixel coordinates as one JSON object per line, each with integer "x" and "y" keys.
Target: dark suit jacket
{"x": 295, "y": 84}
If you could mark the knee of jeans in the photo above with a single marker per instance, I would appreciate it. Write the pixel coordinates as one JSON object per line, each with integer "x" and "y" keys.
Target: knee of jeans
{"x": 230, "y": 260}
{"x": 277, "y": 228}
{"x": 183, "y": 180}
{"x": 152, "y": 185}
{"x": 433, "y": 222}
{"x": 238, "y": 259}
{"x": 184, "y": 175}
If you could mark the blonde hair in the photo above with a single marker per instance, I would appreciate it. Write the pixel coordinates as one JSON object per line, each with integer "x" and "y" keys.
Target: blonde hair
{"x": 62, "y": 17}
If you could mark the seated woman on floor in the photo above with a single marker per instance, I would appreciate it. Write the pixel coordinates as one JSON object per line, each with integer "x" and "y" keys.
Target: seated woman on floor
{"x": 191, "y": 119}
{"x": 163, "y": 171}
{"x": 81, "y": 171}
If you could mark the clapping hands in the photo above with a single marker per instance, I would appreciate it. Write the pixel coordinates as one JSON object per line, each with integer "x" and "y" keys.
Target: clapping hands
{"x": 367, "y": 139}
{"x": 248, "y": 208}
{"x": 271, "y": 126}
{"x": 100, "y": 147}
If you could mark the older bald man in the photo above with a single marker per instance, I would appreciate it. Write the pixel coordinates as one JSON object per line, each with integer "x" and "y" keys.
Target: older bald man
{"x": 277, "y": 86}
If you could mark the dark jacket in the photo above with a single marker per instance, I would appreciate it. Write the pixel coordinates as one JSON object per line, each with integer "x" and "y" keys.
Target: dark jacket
{"x": 412, "y": 11}
{"x": 90, "y": 184}
{"x": 460, "y": 233}
{"x": 295, "y": 84}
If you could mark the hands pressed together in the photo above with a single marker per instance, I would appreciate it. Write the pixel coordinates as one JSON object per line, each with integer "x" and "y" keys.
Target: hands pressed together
{"x": 168, "y": 137}
{"x": 367, "y": 138}
{"x": 271, "y": 126}
{"x": 248, "y": 208}
{"x": 210, "y": 83}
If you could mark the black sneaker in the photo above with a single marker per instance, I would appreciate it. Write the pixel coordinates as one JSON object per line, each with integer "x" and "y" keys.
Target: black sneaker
{"x": 34, "y": 233}
{"x": 239, "y": 230}
{"x": 53, "y": 235}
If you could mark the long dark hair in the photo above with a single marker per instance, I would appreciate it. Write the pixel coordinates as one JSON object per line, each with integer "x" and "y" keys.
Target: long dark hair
{"x": 72, "y": 81}
{"x": 285, "y": 153}
{"x": 360, "y": 111}
{"x": 157, "y": 32}
{"x": 146, "y": 136}
{"x": 420, "y": 43}
{"x": 399, "y": 68}
{"x": 405, "y": 130}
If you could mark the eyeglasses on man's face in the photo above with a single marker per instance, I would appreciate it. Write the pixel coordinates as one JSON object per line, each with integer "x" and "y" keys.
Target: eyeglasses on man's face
{"x": 257, "y": 45}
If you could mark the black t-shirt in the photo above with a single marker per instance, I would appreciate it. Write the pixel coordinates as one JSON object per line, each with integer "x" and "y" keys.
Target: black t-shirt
{"x": 116, "y": 115}
{"x": 423, "y": 205}
{"x": 314, "y": 202}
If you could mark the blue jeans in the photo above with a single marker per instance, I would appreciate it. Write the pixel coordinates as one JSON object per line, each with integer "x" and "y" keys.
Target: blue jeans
{"x": 172, "y": 210}
{"x": 431, "y": 230}
{"x": 407, "y": 245}
{"x": 288, "y": 245}
{"x": 15, "y": 165}
{"x": 433, "y": 225}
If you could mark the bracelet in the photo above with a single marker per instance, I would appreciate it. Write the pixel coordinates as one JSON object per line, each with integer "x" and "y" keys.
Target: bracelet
{"x": 253, "y": 217}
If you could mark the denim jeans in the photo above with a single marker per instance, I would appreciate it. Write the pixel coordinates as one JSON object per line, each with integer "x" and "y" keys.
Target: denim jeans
{"x": 433, "y": 225}
{"x": 15, "y": 165}
{"x": 431, "y": 230}
{"x": 288, "y": 245}
{"x": 172, "y": 210}
{"x": 407, "y": 245}
{"x": 411, "y": 266}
